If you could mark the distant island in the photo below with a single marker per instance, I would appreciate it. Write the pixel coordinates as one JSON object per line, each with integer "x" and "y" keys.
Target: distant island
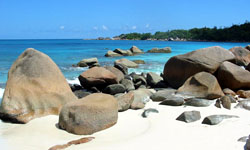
{"x": 235, "y": 33}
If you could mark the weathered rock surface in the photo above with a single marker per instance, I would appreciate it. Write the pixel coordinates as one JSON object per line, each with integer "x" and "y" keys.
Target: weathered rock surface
{"x": 244, "y": 104}
{"x": 202, "y": 85}
{"x": 141, "y": 97}
{"x": 35, "y": 88}
{"x": 228, "y": 91}
{"x": 242, "y": 55}
{"x": 128, "y": 84}
{"x": 81, "y": 93}
{"x": 173, "y": 101}
{"x": 114, "y": 89}
{"x": 119, "y": 74}
{"x": 136, "y": 50}
{"x": 153, "y": 79}
{"x": 179, "y": 68}
{"x": 123, "y": 52}
{"x": 125, "y": 101}
{"x": 189, "y": 116}
{"x": 139, "y": 61}
{"x": 97, "y": 77}
{"x": 233, "y": 77}
{"x": 122, "y": 68}
{"x": 90, "y": 114}
{"x": 126, "y": 62}
{"x": 216, "y": 119}
{"x": 198, "y": 102}
{"x": 160, "y": 50}
{"x": 87, "y": 62}
{"x": 243, "y": 94}
{"x": 226, "y": 102}
{"x": 162, "y": 95}
{"x": 112, "y": 54}
{"x": 146, "y": 112}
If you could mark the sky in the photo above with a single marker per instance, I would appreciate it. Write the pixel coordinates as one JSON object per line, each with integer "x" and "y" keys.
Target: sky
{"x": 77, "y": 19}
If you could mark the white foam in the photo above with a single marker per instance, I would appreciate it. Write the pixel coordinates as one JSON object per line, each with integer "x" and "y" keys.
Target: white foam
{"x": 1, "y": 93}
{"x": 74, "y": 81}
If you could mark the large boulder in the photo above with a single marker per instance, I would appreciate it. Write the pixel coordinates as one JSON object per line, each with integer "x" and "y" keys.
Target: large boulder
{"x": 90, "y": 114}
{"x": 88, "y": 62}
{"x": 35, "y": 88}
{"x": 112, "y": 54}
{"x": 242, "y": 55}
{"x": 126, "y": 63}
{"x": 153, "y": 79}
{"x": 160, "y": 50}
{"x": 97, "y": 77}
{"x": 202, "y": 85}
{"x": 123, "y": 52}
{"x": 119, "y": 74}
{"x": 136, "y": 50}
{"x": 233, "y": 77}
{"x": 179, "y": 68}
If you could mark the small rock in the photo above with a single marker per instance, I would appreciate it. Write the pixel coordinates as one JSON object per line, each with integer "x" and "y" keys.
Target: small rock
{"x": 228, "y": 91}
{"x": 162, "y": 95}
{"x": 125, "y": 101}
{"x": 226, "y": 102}
{"x": 141, "y": 97}
{"x": 198, "y": 102}
{"x": 81, "y": 93}
{"x": 128, "y": 84}
{"x": 174, "y": 101}
{"x": 147, "y": 111}
{"x": 218, "y": 103}
{"x": 243, "y": 139}
{"x": 245, "y": 104}
{"x": 75, "y": 87}
{"x": 114, "y": 89}
{"x": 216, "y": 119}
{"x": 244, "y": 94}
{"x": 139, "y": 61}
{"x": 189, "y": 116}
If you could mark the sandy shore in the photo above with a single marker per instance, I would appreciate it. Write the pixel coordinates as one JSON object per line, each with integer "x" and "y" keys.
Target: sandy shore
{"x": 158, "y": 131}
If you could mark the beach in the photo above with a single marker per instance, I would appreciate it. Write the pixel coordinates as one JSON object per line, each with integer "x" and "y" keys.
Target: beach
{"x": 158, "y": 131}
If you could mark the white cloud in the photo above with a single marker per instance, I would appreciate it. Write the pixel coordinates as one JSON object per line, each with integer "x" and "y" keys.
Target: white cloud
{"x": 62, "y": 27}
{"x": 104, "y": 27}
{"x": 95, "y": 28}
{"x": 147, "y": 25}
{"x": 134, "y": 27}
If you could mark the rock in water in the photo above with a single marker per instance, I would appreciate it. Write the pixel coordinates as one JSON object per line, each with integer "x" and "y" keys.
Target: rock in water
{"x": 160, "y": 50}
{"x": 216, "y": 119}
{"x": 202, "y": 85}
{"x": 233, "y": 76}
{"x": 35, "y": 87}
{"x": 179, "y": 68}
{"x": 189, "y": 116}
{"x": 136, "y": 50}
{"x": 147, "y": 111}
{"x": 112, "y": 54}
{"x": 90, "y": 114}
{"x": 126, "y": 62}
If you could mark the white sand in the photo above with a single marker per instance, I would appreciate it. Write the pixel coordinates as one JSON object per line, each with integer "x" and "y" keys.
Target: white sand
{"x": 132, "y": 132}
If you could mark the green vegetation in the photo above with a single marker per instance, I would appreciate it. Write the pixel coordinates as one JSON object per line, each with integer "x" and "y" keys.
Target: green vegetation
{"x": 234, "y": 33}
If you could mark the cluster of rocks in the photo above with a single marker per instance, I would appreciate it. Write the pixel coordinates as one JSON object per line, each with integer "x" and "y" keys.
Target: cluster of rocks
{"x": 160, "y": 50}
{"x": 119, "y": 52}
{"x": 36, "y": 87}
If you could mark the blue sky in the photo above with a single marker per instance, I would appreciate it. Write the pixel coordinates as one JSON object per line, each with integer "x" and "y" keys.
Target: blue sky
{"x": 53, "y": 19}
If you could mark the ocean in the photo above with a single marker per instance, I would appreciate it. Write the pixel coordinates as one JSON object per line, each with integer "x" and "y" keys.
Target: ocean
{"x": 65, "y": 53}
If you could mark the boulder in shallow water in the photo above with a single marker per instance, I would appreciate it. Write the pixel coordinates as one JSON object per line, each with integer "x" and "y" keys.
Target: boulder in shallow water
{"x": 87, "y": 62}
{"x": 112, "y": 54}
{"x": 179, "y": 68}
{"x": 189, "y": 116}
{"x": 160, "y": 50}
{"x": 126, "y": 62}
{"x": 139, "y": 61}
{"x": 90, "y": 114}
{"x": 97, "y": 77}
{"x": 232, "y": 76}
{"x": 35, "y": 88}
{"x": 136, "y": 50}
{"x": 202, "y": 85}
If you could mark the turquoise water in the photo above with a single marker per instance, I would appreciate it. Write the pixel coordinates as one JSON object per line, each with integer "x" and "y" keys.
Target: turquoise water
{"x": 68, "y": 52}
